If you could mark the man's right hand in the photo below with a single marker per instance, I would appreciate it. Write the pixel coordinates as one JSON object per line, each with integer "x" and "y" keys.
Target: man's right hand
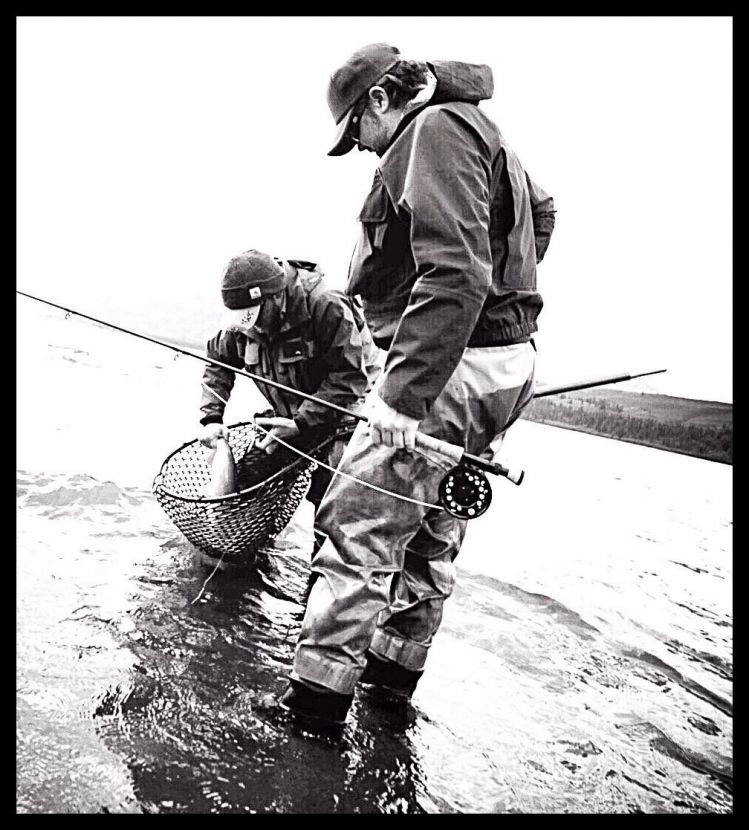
{"x": 210, "y": 434}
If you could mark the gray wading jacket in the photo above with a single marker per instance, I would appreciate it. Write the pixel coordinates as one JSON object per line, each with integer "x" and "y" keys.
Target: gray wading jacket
{"x": 322, "y": 347}
{"x": 450, "y": 236}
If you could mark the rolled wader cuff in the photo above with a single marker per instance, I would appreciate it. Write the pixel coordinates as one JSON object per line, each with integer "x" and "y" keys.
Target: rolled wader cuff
{"x": 308, "y": 665}
{"x": 406, "y": 653}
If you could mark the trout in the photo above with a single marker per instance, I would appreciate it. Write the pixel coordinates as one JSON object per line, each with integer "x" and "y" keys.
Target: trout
{"x": 223, "y": 474}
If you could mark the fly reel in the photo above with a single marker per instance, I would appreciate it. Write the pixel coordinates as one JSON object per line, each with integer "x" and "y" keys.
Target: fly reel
{"x": 465, "y": 492}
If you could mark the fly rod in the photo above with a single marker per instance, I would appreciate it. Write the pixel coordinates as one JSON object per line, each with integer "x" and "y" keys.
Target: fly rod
{"x": 456, "y": 454}
{"x": 545, "y": 391}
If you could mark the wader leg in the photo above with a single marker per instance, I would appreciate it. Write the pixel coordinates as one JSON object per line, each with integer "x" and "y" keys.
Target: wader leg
{"x": 405, "y": 630}
{"x": 366, "y": 545}
{"x": 321, "y": 479}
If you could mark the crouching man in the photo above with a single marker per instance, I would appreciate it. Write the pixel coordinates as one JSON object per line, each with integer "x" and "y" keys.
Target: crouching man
{"x": 281, "y": 322}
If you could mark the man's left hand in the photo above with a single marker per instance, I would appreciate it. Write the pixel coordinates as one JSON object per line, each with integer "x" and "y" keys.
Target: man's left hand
{"x": 283, "y": 428}
{"x": 390, "y": 427}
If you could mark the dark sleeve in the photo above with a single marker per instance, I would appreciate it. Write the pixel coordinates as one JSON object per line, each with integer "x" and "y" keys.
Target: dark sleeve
{"x": 542, "y": 208}
{"x": 445, "y": 194}
{"x": 339, "y": 343}
{"x": 223, "y": 347}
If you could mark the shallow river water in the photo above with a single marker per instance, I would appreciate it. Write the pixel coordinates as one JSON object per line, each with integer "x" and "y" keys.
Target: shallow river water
{"x": 584, "y": 663}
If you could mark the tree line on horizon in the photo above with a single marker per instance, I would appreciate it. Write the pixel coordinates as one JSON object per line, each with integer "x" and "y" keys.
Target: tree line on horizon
{"x": 611, "y": 420}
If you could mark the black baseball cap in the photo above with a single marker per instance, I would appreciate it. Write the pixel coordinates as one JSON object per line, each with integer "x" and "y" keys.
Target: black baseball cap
{"x": 350, "y": 81}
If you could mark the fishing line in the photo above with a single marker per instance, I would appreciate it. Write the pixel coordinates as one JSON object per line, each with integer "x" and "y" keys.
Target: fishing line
{"x": 208, "y": 579}
{"x": 541, "y": 392}
{"x": 254, "y": 377}
{"x": 455, "y": 453}
{"x": 314, "y": 461}
{"x": 208, "y": 360}
{"x": 464, "y": 492}
{"x": 333, "y": 469}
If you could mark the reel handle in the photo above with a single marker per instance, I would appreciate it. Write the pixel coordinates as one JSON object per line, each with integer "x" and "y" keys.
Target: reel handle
{"x": 459, "y": 455}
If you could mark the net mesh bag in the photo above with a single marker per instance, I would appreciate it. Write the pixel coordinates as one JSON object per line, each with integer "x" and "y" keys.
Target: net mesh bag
{"x": 236, "y": 526}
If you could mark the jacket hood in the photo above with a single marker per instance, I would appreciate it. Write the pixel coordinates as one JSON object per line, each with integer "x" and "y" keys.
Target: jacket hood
{"x": 457, "y": 81}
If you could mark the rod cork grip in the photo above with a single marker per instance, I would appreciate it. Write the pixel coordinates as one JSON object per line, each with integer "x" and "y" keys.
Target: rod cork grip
{"x": 428, "y": 442}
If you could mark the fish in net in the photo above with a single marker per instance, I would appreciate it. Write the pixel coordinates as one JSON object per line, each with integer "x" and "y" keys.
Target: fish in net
{"x": 270, "y": 488}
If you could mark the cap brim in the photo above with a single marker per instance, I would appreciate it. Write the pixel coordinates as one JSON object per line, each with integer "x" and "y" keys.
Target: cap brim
{"x": 243, "y": 318}
{"x": 343, "y": 141}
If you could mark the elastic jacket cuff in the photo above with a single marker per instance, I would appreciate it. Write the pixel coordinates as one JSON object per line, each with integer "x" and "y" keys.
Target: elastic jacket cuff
{"x": 301, "y": 423}
{"x": 318, "y": 419}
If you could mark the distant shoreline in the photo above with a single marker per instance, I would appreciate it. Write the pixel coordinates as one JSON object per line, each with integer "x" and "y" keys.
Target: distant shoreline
{"x": 626, "y": 440}
{"x": 701, "y": 429}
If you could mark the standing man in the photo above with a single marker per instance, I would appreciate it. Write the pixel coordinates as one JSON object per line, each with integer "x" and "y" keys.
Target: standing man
{"x": 446, "y": 268}
{"x": 281, "y": 322}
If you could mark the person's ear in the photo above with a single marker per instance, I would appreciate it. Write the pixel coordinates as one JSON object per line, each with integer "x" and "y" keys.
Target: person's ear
{"x": 379, "y": 100}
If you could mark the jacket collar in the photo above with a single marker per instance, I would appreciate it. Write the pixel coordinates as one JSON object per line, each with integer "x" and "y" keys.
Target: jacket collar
{"x": 455, "y": 81}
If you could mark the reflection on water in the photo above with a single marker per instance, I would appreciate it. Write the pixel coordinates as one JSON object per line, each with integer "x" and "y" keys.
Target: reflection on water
{"x": 204, "y": 732}
{"x": 188, "y": 721}
{"x": 133, "y": 697}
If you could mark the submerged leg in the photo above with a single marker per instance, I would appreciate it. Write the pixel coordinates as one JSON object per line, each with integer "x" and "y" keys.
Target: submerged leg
{"x": 365, "y": 546}
{"x": 405, "y": 630}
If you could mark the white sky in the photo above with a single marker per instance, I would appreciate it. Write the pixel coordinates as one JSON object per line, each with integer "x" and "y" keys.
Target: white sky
{"x": 152, "y": 149}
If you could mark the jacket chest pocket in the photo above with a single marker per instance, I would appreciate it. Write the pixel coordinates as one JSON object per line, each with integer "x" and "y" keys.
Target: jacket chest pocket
{"x": 373, "y": 215}
{"x": 293, "y": 358}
